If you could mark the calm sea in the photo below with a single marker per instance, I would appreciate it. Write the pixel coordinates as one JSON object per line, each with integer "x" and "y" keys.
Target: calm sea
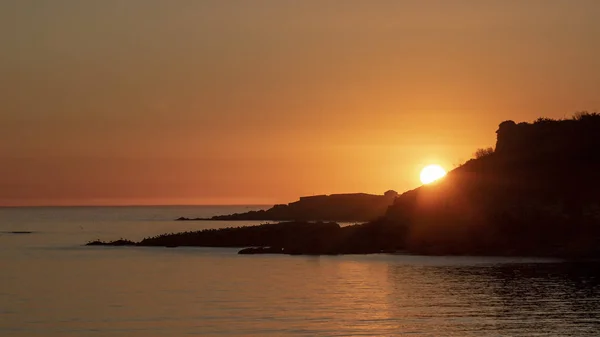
{"x": 51, "y": 285}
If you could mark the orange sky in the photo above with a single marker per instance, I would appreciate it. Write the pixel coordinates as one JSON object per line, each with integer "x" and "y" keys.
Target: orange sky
{"x": 221, "y": 102}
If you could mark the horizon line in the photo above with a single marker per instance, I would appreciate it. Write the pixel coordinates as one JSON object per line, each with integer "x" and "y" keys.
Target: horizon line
{"x": 135, "y": 205}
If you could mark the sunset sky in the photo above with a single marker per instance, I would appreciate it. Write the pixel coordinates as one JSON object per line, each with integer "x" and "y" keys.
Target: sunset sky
{"x": 259, "y": 102}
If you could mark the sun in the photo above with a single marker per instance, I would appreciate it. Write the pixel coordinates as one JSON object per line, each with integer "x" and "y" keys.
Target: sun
{"x": 431, "y": 173}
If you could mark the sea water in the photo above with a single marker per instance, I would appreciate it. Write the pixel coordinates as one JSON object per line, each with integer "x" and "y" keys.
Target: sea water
{"x": 53, "y": 285}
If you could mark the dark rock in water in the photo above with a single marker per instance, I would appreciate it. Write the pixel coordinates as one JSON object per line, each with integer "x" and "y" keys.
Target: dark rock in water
{"x": 17, "y": 232}
{"x": 261, "y": 250}
{"x": 120, "y": 242}
{"x": 192, "y": 219}
{"x": 336, "y": 207}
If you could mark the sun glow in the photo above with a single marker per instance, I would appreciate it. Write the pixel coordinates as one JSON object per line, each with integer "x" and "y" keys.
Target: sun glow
{"x": 431, "y": 173}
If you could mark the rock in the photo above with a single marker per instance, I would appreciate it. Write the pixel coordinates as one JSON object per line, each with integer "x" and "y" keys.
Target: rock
{"x": 261, "y": 250}
{"x": 120, "y": 242}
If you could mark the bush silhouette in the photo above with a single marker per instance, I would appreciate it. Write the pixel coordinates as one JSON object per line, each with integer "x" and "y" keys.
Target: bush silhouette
{"x": 480, "y": 153}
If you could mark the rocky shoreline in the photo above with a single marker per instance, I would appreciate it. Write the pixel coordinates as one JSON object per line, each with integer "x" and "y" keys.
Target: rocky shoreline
{"x": 293, "y": 238}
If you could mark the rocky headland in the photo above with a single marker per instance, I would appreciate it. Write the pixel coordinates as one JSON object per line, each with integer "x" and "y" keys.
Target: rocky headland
{"x": 536, "y": 194}
{"x": 352, "y": 207}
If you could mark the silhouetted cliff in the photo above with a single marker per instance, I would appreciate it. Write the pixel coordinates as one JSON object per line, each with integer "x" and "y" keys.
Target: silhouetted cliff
{"x": 537, "y": 194}
{"x": 547, "y": 136}
{"x": 335, "y": 207}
